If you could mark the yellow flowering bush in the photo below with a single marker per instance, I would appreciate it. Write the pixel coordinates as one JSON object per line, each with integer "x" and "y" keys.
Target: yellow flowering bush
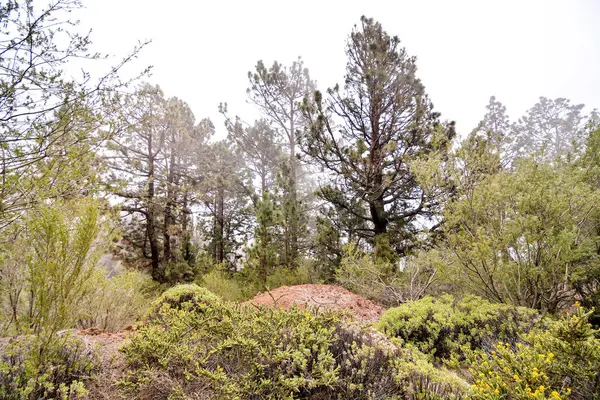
{"x": 562, "y": 362}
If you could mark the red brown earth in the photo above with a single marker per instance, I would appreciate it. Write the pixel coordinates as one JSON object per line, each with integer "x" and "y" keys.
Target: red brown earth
{"x": 330, "y": 297}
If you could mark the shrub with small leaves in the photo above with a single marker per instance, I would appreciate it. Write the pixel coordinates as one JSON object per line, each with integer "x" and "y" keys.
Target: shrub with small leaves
{"x": 219, "y": 283}
{"x": 445, "y": 327}
{"x": 116, "y": 302}
{"x": 562, "y": 362}
{"x": 182, "y": 297}
{"x": 228, "y": 351}
{"x": 31, "y": 371}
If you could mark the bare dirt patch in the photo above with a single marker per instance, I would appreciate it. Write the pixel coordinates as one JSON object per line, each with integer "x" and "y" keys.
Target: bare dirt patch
{"x": 112, "y": 361}
{"x": 322, "y": 297}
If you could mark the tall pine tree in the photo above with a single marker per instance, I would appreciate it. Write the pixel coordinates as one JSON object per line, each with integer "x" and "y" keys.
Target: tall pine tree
{"x": 384, "y": 121}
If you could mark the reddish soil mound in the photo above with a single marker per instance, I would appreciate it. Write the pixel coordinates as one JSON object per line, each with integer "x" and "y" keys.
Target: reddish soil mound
{"x": 321, "y": 296}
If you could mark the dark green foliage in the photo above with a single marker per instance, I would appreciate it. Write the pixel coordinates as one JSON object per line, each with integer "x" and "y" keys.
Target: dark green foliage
{"x": 180, "y": 272}
{"x": 445, "y": 327}
{"x": 385, "y": 120}
{"x": 327, "y": 247}
{"x": 235, "y": 352}
{"x": 29, "y": 371}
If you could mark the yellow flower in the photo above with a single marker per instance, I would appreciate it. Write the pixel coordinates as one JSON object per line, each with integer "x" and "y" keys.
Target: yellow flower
{"x": 516, "y": 377}
{"x": 496, "y": 391}
{"x": 535, "y": 374}
{"x": 555, "y": 395}
{"x": 519, "y": 345}
{"x": 541, "y": 389}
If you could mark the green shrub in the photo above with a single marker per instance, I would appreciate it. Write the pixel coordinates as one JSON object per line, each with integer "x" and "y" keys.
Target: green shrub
{"x": 180, "y": 272}
{"x": 182, "y": 297}
{"x": 113, "y": 303}
{"x": 377, "y": 278}
{"x": 300, "y": 275}
{"x": 229, "y": 351}
{"x": 445, "y": 327}
{"x": 219, "y": 283}
{"x": 50, "y": 266}
{"x": 562, "y": 362}
{"x": 371, "y": 368}
{"x": 29, "y": 370}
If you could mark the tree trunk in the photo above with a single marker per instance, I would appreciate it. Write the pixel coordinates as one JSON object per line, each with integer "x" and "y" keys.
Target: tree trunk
{"x": 293, "y": 223}
{"x": 185, "y": 234}
{"x": 376, "y": 206}
{"x": 168, "y": 255}
{"x": 219, "y": 226}
{"x": 157, "y": 272}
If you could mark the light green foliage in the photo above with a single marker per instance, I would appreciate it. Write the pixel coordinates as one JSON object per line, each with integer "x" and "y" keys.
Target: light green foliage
{"x": 385, "y": 281}
{"x": 220, "y": 283}
{"x": 236, "y": 352}
{"x": 245, "y": 284}
{"x": 446, "y": 327}
{"x": 49, "y": 268}
{"x": 182, "y": 297}
{"x": 587, "y": 281}
{"x": 521, "y": 236}
{"x": 302, "y": 274}
{"x": 59, "y": 374}
{"x": 558, "y": 363}
{"x": 51, "y": 121}
{"x": 116, "y": 302}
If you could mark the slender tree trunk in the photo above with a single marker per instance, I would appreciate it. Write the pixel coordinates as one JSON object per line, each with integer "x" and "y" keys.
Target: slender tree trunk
{"x": 219, "y": 226}
{"x": 157, "y": 272}
{"x": 168, "y": 218}
{"x": 185, "y": 234}
{"x": 293, "y": 223}
{"x": 376, "y": 205}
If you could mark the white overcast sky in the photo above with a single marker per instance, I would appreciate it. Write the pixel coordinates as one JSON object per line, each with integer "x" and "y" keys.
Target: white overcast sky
{"x": 466, "y": 50}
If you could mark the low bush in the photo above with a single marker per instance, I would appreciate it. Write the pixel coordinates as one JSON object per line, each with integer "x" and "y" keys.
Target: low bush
{"x": 445, "y": 327}
{"x": 302, "y": 274}
{"x": 562, "y": 362}
{"x": 30, "y": 371}
{"x": 180, "y": 272}
{"x": 115, "y": 302}
{"x": 183, "y": 297}
{"x": 219, "y": 283}
{"x": 228, "y": 351}
{"x": 384, "y": 281}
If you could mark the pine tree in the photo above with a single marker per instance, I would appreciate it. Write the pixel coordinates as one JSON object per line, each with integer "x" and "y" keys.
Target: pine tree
{"x": 385, "y": 121}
